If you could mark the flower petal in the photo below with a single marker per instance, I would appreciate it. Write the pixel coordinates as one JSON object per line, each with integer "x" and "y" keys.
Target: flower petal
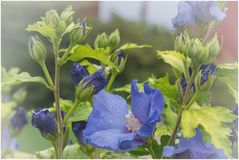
{"x": 185, "y": 15}
{"x": 168, "y": 151}
{"x": 140, "y": 103}
{"x": 113, "y": 139}
{"x": 108, "y": 113}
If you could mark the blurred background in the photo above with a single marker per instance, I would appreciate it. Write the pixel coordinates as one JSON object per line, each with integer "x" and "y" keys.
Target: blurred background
{"x": 141, "y": 22}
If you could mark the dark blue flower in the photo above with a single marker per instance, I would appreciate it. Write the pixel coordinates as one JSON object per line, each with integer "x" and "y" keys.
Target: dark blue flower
{"x": 97, "y": 80}
{"x": 78, "y": 72}
{"x": 193, "y": 148}
{"x": 19, "y": 119}
{"x": 120, "y": 55}
{"x": 207, "y": 69}
{"x": 111, "y": 126}
{"x": 45, "y": 122}
{"x": 184, "y": 82}
{"x": 78, "y": 128}
{"x": 190, "y": 12}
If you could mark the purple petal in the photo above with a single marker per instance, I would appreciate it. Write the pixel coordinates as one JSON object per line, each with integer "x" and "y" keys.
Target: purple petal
{"x": 113, "y": 139}
{"x": 168, "y": 151}
{"x": 108, "y": 113}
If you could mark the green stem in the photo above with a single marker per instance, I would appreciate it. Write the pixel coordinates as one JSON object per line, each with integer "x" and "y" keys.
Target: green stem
{"x": 112, "y": 78}
{"x": 184, "y": 102}
{"x": 55, "y": 148}
{"x": 47, "y": 75}
{"x": 192, "y": 100}
{"x": 60, "y": 139}
{"x": 209, "y": 31}
{"x": 70, "y": 111}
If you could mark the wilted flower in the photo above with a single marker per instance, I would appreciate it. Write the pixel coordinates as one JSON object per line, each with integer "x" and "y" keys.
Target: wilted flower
{"x": 190, "y": 12}
{"x": 45, "y": 122}
{"x": 112, "y": 127}
{"x": 77, "y": 128}
{"x": 88, "y": 84}
{"x": 193, "y": 148}
{"x": 19, "y": 119}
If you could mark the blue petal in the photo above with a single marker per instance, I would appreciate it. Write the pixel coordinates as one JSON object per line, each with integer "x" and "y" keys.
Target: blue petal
{"x": 78, "y": 72}
{"x": 147, "y": 107}
{"x": 185, "y": 15}
{"x": 77, "y": 128}
{"x": 19, "y": 120}
{"x": 168, "y": 151}
{"x": 140, "y": 103}
{"x": 108, "y": 113}
{"x": 216, "y": 14}
{"x": 195, "y": 148}
{"x": 114, "y": 139}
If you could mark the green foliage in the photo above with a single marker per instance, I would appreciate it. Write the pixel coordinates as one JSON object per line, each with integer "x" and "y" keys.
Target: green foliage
{"x": 70, "y": 152}
{"x": 15, "y": 78}
{"x": 227, "y": 73}
{"x": 117, "y": 155}
{"x": 213, "y": 120}
{"x": 85, "y": 51}
{"x": 168, "y": 124}
{"x": 81, "y": 112}
{"x": 176, "y": 60}
{"x": 132, "y": 46}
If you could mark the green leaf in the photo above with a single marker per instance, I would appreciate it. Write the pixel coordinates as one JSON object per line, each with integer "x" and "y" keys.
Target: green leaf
{"x": 213, "y": 120}
{"x": 70, "y": 152}
{"x": 127, "y": 88}
{"x": 164, "y": 86}
{"x": 227, "y": 73}
{"x": 175, "y": 59}
{"x": 133, "y": 46}
{"x": 44, "y": 29}
{"x": 24, "y": 77}
{"x": 168, "y": 125}
{"x": 81, "y": 112}
{"x": 85, "y": 51}
{"x": 139, "y": 151}
{"x": 117, "y": 155}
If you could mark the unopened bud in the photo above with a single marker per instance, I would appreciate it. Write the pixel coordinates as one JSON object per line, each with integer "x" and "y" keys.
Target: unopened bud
{"x": 114, "y": 39}
{"x": 51, "y": 18}
{"x": 101, "y": 41}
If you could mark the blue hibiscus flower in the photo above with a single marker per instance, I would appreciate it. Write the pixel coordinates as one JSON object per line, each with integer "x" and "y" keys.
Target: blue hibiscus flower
{"x": 19, "y": 119}
{"x": 111, "y": 126}
{"x": 190, "y": 12}
{"x": 193, "y": 148}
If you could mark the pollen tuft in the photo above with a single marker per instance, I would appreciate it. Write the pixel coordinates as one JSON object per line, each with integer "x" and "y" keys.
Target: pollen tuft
{"x": 132, "y": 123}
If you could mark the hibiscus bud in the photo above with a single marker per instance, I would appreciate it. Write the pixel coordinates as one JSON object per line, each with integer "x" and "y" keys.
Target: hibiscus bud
{"x": 80, "y": 33}
{"x": 51, "y": 18}
{"x": 181, "y": 42}
{"x": 19, "y": 119}
{"x": 66, "y": 15}
{"x": 213, "y": 46}
{"x": 114, "y": 39}
{"x": 78, "y": 72}
{"x": 206, "y": 77}
{"x": 45, "y": 122}
{"x": 37, "y": 50}
{"x": 91, "y": 85}
{"x": 101, "y": 41}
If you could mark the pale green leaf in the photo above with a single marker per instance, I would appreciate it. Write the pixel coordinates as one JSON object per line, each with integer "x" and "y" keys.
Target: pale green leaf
{"x": 213, "y": 120}
{"x": 70, "y": 152}
{"x": 81, "y": 112}
{"x": 175, "y": 59}
{"x": 44, "y": 29}
{"x": 164, "y": 85}
{"x": 168, "y": 125}
{"x": 85, "y": 51}
{"x": 23, "y": 77}
{"x": 133, "y": 46}
{"x": 127, "y": 88}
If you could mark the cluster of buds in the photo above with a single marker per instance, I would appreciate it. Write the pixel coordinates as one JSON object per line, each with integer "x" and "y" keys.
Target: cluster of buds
{"x": 104, "y": 41}
{"x": 196, "y": 50}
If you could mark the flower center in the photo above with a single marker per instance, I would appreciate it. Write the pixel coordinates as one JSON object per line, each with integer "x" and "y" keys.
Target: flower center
{"x": 132, "y": 123}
